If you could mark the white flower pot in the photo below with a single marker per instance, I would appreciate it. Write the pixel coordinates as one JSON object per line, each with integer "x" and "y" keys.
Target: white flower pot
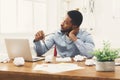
{"x": 105, "y": 66}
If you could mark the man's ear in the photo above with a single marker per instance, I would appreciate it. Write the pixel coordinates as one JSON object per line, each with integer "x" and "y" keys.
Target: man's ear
{"x": 74, "y": 26}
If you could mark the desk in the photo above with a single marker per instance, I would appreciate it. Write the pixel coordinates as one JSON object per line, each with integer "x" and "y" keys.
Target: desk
{"x": 8, "y": 71}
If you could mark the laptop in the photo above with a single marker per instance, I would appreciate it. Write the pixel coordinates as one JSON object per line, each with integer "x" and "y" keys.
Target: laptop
{"x": 20, "y": 48}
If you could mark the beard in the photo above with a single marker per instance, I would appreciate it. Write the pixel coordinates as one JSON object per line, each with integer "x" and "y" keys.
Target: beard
{"x": 67, "y": 30}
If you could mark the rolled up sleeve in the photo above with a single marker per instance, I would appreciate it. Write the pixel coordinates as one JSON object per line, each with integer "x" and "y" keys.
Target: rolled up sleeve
{"x": 85, "y": 47}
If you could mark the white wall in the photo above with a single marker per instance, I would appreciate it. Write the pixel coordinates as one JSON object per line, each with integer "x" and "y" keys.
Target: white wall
{"x": 52, "y": 16}
{"x": 103, "y": 21}
{"x": 105, "y": 25}
{"x": 23, "y": 18}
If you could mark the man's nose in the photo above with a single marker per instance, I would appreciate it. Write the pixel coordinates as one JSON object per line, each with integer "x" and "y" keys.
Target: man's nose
{"x": 62, "y": 24}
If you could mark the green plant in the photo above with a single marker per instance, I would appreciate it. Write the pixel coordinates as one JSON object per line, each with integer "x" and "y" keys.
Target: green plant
{"x": 106, "y": 53}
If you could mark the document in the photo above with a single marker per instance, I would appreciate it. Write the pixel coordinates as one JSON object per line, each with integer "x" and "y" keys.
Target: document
{"x": 56, "y": 68}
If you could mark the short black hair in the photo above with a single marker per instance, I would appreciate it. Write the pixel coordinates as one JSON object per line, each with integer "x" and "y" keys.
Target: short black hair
{"x": 76, "y": 17}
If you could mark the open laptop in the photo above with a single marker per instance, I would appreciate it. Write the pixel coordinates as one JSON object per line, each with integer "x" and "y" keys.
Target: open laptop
{"x": 20, "y": 48}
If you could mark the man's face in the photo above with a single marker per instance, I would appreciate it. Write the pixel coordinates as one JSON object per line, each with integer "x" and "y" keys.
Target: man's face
{"x": 66, "y": 25}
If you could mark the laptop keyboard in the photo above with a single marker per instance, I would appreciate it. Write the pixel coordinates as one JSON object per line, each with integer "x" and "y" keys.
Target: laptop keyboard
{"x": 38, "y": 58}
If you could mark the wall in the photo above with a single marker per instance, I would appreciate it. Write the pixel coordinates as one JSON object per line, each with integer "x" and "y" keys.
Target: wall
{"x": 52, "y": 24}
{"x": 52, "y": 15}
{"x": 105, "y": 26}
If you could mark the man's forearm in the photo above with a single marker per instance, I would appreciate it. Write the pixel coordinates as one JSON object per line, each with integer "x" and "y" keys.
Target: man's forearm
{"x": 84, "y": 48}
{"x": 38, "y": 48}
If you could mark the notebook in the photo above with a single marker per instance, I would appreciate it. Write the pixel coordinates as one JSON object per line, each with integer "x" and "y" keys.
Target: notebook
{"x": 20, "y": 48}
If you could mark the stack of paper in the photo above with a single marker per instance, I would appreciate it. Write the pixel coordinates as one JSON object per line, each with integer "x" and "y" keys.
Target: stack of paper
{"x": 55, "y": 68}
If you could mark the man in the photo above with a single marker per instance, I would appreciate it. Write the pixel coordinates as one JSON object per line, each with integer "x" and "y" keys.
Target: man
{"x": 69, "y": 41}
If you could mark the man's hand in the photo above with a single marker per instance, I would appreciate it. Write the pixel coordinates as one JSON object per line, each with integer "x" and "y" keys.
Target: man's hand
{"x": 73, "y": 33}
{"x": 39, "y": 36}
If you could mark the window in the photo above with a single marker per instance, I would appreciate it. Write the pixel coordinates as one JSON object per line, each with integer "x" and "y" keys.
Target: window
{"x": 22, "y": 16}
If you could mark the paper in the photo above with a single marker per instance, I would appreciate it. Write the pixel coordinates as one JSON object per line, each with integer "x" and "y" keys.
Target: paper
{"x": 66, "y": 59}
{"x": 117, "y": 64}
{"x": 117, "y": 61}
{"x": 79, "y": 58}
{"x": 19, "y": 61}
{"x": 56, "y": 68}
{"x": 49, "y": 58}
{"x": 89, "y": 62}
{"x": 4, "y": 58}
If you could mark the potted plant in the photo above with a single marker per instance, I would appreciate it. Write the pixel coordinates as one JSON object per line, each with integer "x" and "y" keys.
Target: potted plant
{"x": 105, "y": 57}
